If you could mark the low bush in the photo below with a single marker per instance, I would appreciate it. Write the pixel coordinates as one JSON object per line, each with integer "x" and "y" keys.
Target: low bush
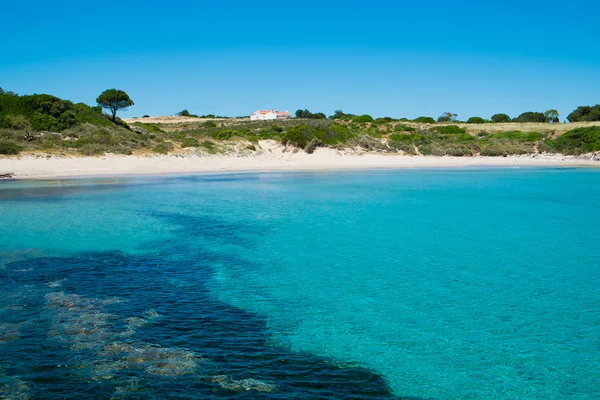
{"x": 362, "y": 118}
{"x": 402, "y": 145}
{"x": 531, "y": 116}
{"x": 476, "y": 120}
{"x": 577, "y": 141}
{"x": 120, "y": 149}
{"x": 152, "y": 128}
{"x": 404, "y": 128}
{"x": 585, "y": 113}
{"x": 367, "y": 142}
{"x": 9, "y": 147}
{"x": 224, "y": 134}
{"x": 93, "y": 149}
{"x": 163, "y": 148}
{"x": 450, "y": 130}
{"x": 298, "y": 136}
{"x": 495, "y": 148}
{"x": 209, "y": 146}
{"x": 519, "y": 136}
{"x": 19, "y": 122}
{"x": 189, "y": 142}
{"x": 424, "y": 120}
{"x": 499, "y": 118}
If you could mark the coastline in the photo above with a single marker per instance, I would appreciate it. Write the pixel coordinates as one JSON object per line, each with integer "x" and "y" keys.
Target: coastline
{"x": 44, "y": 167}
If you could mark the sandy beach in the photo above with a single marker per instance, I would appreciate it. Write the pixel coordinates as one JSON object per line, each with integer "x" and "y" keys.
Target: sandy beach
{"x": 271, "y": 157}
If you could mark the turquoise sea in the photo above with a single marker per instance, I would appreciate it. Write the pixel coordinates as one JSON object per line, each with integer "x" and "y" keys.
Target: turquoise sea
{"x": 472, "y": 283}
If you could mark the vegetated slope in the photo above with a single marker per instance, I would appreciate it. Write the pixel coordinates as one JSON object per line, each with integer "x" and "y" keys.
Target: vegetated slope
{"x": 46, "y": 123}
{"x": 42, "y": 122}
{"x": 43, "y": 112}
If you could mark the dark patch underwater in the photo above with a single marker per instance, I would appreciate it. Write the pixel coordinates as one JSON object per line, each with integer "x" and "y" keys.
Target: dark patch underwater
{"x": 109, "y": 325}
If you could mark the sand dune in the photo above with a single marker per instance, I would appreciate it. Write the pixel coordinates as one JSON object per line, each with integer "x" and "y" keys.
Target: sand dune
{"x": 270, "y": 157}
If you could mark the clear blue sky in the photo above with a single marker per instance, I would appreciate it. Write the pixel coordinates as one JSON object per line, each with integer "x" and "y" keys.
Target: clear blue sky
{"x": 383, "y": 58}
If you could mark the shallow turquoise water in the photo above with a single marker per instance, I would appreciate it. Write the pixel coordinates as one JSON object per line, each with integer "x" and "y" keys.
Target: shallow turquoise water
{"x": 455, "y": 284}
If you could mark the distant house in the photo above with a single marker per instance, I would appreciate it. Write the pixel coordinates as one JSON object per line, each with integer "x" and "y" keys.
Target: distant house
{"x": 262, "y": 115}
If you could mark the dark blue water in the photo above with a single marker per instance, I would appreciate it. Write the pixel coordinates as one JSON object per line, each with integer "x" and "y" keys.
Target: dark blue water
{"x": 470, "y": 284}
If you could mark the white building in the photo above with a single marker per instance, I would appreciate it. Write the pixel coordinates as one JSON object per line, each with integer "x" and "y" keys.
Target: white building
{"x": 261, "y": 115}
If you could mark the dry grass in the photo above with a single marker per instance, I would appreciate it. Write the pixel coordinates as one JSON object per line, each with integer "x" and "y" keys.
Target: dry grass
{"x": 179, "y": 120}
{"x": 551, "y": 129}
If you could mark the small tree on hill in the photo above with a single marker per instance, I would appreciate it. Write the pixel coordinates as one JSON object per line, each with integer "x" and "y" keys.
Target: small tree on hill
{"x": 531, "y": 116}
{"x": 424, "y": 120}
{"x": 552, "y": 116}
{"x": 500, "y": 117}
{"x": 184, "y": 113}
{"x": 447, "y": 117}
{"x": 114, "y": 100}
{"x": 476, "y": 120}
{"x": 585, "y": 113}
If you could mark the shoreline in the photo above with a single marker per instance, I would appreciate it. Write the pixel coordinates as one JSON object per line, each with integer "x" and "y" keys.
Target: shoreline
{"x": 36, "y": 167}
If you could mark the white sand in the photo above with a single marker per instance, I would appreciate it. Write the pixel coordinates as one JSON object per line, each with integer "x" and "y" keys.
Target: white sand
{"x": 271, "y": 157}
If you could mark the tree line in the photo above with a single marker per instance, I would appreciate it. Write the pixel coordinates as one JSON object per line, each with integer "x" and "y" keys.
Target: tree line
{"x": 583, "y": 113}
{"x": 114, "y": 100}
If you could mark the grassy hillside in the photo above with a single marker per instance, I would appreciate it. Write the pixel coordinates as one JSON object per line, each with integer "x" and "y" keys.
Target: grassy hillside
{"x": 44, "y": 123}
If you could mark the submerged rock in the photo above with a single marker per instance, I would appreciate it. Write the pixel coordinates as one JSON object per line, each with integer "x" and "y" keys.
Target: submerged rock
{"x": 82, "y": 323}
{"x": 243, "y": 384}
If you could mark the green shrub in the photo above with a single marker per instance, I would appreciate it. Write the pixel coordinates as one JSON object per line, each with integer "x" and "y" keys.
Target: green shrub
{"x": 457, "y": 150}
{"x": 162, "y": 148}
{"x": 298, "y": 136}
{"x": 499, "y": 118}
{"x": 10, "y": 134}
{"x": 404, "y": 128}
{"x": 543, "y": 147}
{"x": 9, "y": 147}
{"x": 380, "y": 121}
{"x": 494, "y": 148}
{"x": 19, "y": 122}
{"x": 585, "y": 113}
{"x": 425, "y": 150}
{"x": 189, "y": 142}
{"x": 402, "y": 138}
{"x": 209, "y": 146}
{"x": 450, "y": 130}
{"x": 425, "y": 120}
{"x": 402, "y": 145}
{"x": 50, "y": 141}
{"x": 224, "y": 134}
{"x": 367, "y": 142}
{"x": 519, "y": 136}
{"x": 362, "y": 118}
{"x": 335, "y": 134}
{"x": 531, "y": 116}
{"x": 93, "y": 149}
{"x": 476, "y": 120}
{"x": 120, "y": 149}
{"x": 577, "y": 141}
{"x": 152, "y": 128}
